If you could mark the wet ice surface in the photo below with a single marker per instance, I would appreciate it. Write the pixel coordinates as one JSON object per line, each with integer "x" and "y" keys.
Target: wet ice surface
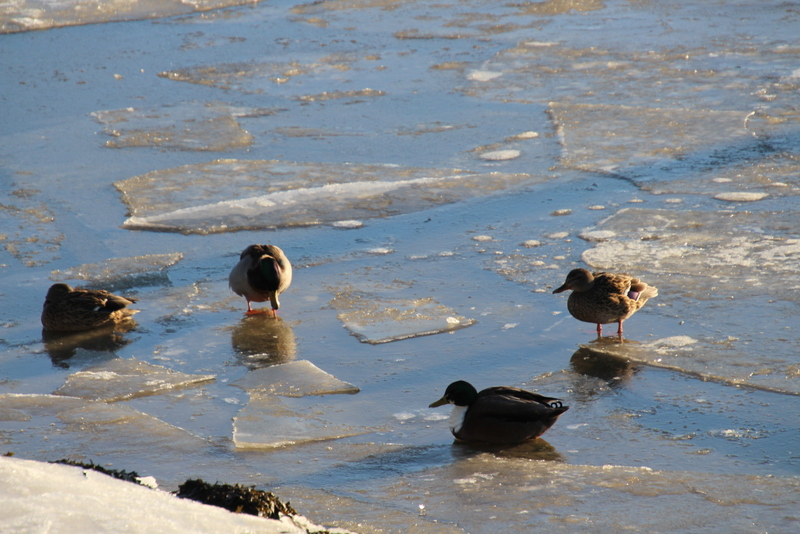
{"x": 189, "y": 126}
{"x": 425, "y": 167}
{"x": 234, "y": 195}
{"x": 122, "y": 379}
{"x": 375, "y": 319}
{"x": 294, "y": 379}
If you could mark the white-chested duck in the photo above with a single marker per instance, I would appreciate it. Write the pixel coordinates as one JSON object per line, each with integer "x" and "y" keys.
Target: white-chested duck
{"x": 75, "y": 310}
{"x": 499, "y": 415}
{"x": 263, "y": 273}
{"x": 603, "y": 298}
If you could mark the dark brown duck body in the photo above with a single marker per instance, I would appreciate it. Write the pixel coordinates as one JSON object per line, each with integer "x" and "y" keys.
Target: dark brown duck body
{"x": 262, "y": 274}
{"x": 499, "y": 415}
{"x": 74, "y": 310}
{"x": 603, "y": 298}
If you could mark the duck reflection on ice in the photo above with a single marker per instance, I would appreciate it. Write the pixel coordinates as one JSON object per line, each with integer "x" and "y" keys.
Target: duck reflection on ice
{"x": 61, "y": 346}
{"x": 263, "y": 340}
{"x": 537, "y": 449}
{"x": 593, "y": 361}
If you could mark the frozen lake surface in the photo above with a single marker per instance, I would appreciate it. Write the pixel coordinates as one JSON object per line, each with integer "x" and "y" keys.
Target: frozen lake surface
{"x": 433, "y": 172}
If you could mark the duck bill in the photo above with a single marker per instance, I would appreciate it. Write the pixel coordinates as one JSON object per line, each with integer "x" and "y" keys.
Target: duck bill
{"x": 560, "y": 289}
{"x": 439, "y": 402}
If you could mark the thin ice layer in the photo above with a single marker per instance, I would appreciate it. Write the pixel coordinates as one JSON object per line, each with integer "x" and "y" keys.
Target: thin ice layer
{"x": 122, "y": 379}
{"x": 206, "y": 126}
{"x": 56, "y": 426}
{"x": 294, "y": 379}
{"x": 267, "y": 423}
{"x": 377, "y": 319}
{"x": 533, "y": 496}
{"x": 745, "y": 253}
{"x": 232, "y": 195}
{"x": 121, "y": 272}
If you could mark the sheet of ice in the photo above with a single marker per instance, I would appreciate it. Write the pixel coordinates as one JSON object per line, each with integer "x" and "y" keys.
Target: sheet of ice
{"x": 55, "y": 426}
{"x": 635, "y": 139}
{"x": 562, "y": 497}
{"x": 25, "y": 15}
{"x": 121, "y": 273}
{"x": 62, "y": 499}
{"x": 293, "y": 379}
{"x": 232, "y": 195}
{"x": 742, "y": 253}
{"x": 267, "y": 423}
{"x": 201, "y": 126}
{"x": 123, "y": 379}
{"x": 31, "y": 234}
{"x": 376, "y": 319}
{"x": 259, "y": 77}
{"x": 668, "y": 73}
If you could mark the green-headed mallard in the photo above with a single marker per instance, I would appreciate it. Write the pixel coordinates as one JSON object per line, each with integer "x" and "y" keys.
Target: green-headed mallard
{"x": 74, "y": 310}
{"x": 263, "y": 273}
{"x": 500, "y": 415}
{"x": 604, "y": 298}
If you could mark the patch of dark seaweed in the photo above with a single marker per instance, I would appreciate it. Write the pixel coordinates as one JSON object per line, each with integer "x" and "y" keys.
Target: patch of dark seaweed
{"x": 235, "y": 498}
{"x": 128, "y": 476}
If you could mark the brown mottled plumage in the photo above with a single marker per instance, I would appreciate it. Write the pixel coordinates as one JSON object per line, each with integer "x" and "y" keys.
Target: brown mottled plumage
{"x": 263, "y": 273}
{"x": 500, "y": 415}
{"x": 603, "y": 298}
{"x": 74, "y": 310}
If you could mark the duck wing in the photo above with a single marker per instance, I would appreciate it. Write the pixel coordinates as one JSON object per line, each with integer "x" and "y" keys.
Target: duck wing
{"x": 514, "y": 404}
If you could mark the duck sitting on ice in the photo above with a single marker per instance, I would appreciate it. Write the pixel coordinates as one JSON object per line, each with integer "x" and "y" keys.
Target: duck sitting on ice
{"x": 75, "y": 310}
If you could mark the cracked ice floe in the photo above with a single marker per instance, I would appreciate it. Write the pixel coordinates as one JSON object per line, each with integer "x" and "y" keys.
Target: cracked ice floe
{"x": 232, "y": 195}
{"x": 376, "y": 319}
{"x": 722, "y": 360}
{"x": 120, "y": 273}
{"x": 202, "y": 126}
{"x": 293, "y": 379}
{"x": 725, "y": 76}
{"x": 267, "y": 422}
{"x": 633, "y": 140}
{"x": 91, "y": 427}
{"x": 743, "y": 253}
{"x": 122, "y": 379}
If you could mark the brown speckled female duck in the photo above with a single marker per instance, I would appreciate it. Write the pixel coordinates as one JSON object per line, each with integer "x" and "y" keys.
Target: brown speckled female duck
{"x": 604, "y": 298}
{"x": 74, "y": 310}
{"x": 263, "y": 273}
{"x": 500, "y": 415}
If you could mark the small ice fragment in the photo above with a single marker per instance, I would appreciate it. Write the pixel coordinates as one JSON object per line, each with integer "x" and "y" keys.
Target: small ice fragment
{"x": 348, "y": 225}
{"x": 380, "y": 251}
{"x": 404, "y": 416}
{"x": 530, "y": 243}
{"x": 596, "y": 207}
{"x": 557, "y": 235}
{"x": 722, "y": 180}
{"x": 561, "y": 212}
{"x": 293, "y": 379}
{"x": 597, "y": 235}
{"x": 266, "y": 423}
{"x": 123, "y": 379}
{"x": 469, "y": 480}
{"x": 150, "y": 482}
{"x": 500, "y": 155}
{"x": 453, "y": 320}
{"x": 509, "y": 326}
{"x": 741, "y": 196}
{"x": 673, "y": 200}
{"x": 482, "y": 238}
{"x": 559, "y": 258}
{"x": 483, "y": 75}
